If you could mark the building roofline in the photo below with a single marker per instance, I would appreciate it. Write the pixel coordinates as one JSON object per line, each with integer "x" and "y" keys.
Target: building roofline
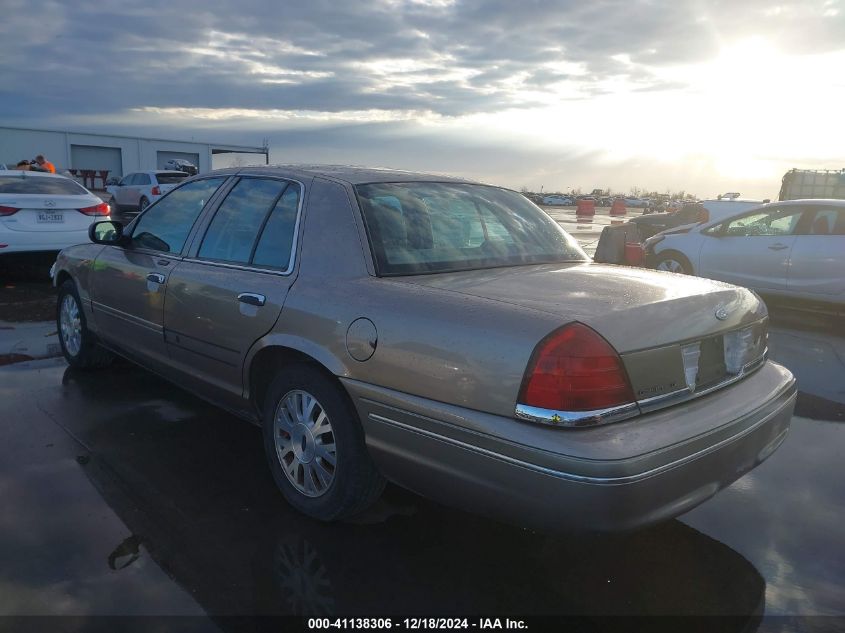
{"x": 246, "y": 149}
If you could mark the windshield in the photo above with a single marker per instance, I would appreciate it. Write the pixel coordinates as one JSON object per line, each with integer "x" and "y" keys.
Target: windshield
{"x": 421, "y": 227}
{"x": 41, "y": 185}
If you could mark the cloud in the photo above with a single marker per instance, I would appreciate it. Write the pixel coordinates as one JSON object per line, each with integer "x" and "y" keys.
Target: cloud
{"x": 452, "y": 58}
{"x": 609, "y": 72}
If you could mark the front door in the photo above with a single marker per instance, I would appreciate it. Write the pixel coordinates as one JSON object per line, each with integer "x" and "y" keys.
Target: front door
{"x": 752, "y": 250}
{"x": 129, "y": 283}
{"x": 231, "y": 291}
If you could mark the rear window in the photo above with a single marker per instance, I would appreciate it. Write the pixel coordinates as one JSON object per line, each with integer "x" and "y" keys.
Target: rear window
{"x": 423, "y": 227}
{"x": 41, "y": 185}
{"x": 171, "y": 178}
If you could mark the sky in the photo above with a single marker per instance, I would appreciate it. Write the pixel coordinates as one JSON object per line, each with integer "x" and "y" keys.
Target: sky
{"x": 695, "y": 95}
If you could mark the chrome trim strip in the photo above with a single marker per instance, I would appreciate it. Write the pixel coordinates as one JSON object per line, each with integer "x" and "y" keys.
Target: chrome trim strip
{"x": 125, "y": 316}
{"x": 683, "y": 395}
{"x": 575, "y": 419}
{"x": 604, "y": 481}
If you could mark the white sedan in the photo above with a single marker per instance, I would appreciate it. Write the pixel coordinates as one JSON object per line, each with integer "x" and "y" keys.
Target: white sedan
{"x": 45, "y": 212}
{"x": 136, "y": 191}
{"x": 794, "y": 248}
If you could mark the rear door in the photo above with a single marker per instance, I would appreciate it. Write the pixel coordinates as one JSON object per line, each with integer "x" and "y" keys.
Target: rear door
{"x": 128, "y": 283}
{"x": 818, "y": 257}
{"x": 230, "y": 291}
{"x": 752, "y": 250}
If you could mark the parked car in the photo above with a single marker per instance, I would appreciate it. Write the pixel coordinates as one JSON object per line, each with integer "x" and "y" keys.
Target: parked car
{"x": 445, "y": 335}
{"x": 560, "y": 201}
{"x": 636, "y": 203}
{"x": 40, "y": 211}
{"x": 136, "y": 191}
{"x": 655, "y": 223}
{"x": 180, "y": 164}
{"x": 794, "y": 248}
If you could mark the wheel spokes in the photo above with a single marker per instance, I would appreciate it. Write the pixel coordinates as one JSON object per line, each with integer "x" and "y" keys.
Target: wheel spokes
{"x": 305, "y": 443}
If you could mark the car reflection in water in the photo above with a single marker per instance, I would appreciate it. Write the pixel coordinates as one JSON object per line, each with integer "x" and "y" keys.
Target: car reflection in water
{"x": 189, "y": 482}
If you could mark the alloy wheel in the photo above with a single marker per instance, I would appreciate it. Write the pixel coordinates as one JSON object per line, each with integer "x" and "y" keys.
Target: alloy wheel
{"x": 671, "y": 265}
{"x": 70, "y": 324}
{"x": 305, "y": 443}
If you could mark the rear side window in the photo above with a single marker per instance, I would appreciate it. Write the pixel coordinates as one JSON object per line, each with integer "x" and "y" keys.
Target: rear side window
{"x": 828, "y": 221}
{"x": 234, "y": 230}
{"x": 165, "y": 225}
{"x": 171, "y": 178}
{"x": 142, "y": 179}
{"x": 274, "y": 246}
{"x": 41, "y": 185}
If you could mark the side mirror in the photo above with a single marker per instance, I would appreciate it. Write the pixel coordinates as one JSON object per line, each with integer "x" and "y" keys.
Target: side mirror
{"x": 107, "y": 232}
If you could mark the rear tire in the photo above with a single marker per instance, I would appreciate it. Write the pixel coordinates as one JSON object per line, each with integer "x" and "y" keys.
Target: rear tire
{"x": 143, "y": 203}
{"x": 315, "y": 445}
{"x": 674, "y": 262}
{"x": 79, "y": 346}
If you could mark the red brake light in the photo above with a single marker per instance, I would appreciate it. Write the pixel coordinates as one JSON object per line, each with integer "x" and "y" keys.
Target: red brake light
{"x": 575, "y": 369}
{"x": 156, "y": 190}
{"x": 8, "y": 211}
{"x": 98, "y": 209}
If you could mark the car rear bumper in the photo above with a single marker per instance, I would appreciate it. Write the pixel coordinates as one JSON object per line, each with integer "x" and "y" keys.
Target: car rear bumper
{"x": 35, "y": 241}
{"x": 499, "y": 478}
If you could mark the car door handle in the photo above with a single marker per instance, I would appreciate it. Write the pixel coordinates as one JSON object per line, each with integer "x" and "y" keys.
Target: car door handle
{"x": 252, "y": 298}
{"x": 778, "y": 247}
{"x": 156, "y": 278}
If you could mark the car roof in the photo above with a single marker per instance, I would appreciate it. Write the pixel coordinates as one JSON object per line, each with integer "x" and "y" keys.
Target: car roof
{"x": 351, "y": 174}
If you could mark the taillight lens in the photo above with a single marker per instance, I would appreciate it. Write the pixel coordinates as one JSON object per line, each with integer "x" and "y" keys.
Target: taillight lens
{"x": 575, "y": 369}
{"x": 98, "y": 209}
{"x": 8, "y": 210}
{"x": 156, "y": 190}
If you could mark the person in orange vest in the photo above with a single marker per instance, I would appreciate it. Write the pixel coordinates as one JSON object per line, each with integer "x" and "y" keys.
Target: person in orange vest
{"x": 45, "y": 164}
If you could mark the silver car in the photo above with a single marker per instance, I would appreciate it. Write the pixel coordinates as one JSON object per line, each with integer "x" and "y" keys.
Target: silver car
{"x": 441, "y": 334}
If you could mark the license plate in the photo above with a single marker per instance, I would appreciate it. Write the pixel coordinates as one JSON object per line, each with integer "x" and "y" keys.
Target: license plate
{"x": 51, "y": 218}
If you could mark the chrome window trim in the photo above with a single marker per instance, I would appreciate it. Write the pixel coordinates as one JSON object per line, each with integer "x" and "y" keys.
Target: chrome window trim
{"x": 259, "y": 269}
{"x": 575, "y": 419}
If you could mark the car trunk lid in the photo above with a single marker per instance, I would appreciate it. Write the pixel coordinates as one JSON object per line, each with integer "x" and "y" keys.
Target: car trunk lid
{"x": 677, "y": 335}
{"x": 46, "y": 213}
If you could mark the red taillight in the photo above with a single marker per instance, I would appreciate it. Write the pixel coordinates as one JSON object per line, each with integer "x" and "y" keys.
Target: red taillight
{"x": 156, "y": 190}
{"x": 575, "y": 369}
{"x": 98, "y": 209}
{"x": 8, "y": 210}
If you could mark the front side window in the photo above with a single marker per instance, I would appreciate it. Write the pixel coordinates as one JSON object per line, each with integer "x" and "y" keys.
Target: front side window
{"x": 421, "y": 227}
{"x": 771, "y": 222}
{"x": 165, "y": 225}
{"x": 237, "y": 223}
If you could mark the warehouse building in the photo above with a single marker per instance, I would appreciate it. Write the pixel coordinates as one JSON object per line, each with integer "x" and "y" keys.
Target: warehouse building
{"x": 117, "y": 155}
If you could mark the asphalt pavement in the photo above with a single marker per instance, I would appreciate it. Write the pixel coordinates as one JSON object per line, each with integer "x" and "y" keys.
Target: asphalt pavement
{"x": 125, "y": 495}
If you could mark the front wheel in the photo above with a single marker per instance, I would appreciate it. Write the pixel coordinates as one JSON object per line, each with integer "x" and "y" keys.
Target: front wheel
{"x": 674, "y": 262}
{"x": 78, "y": 345}
{"x": 315, "y": 446}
